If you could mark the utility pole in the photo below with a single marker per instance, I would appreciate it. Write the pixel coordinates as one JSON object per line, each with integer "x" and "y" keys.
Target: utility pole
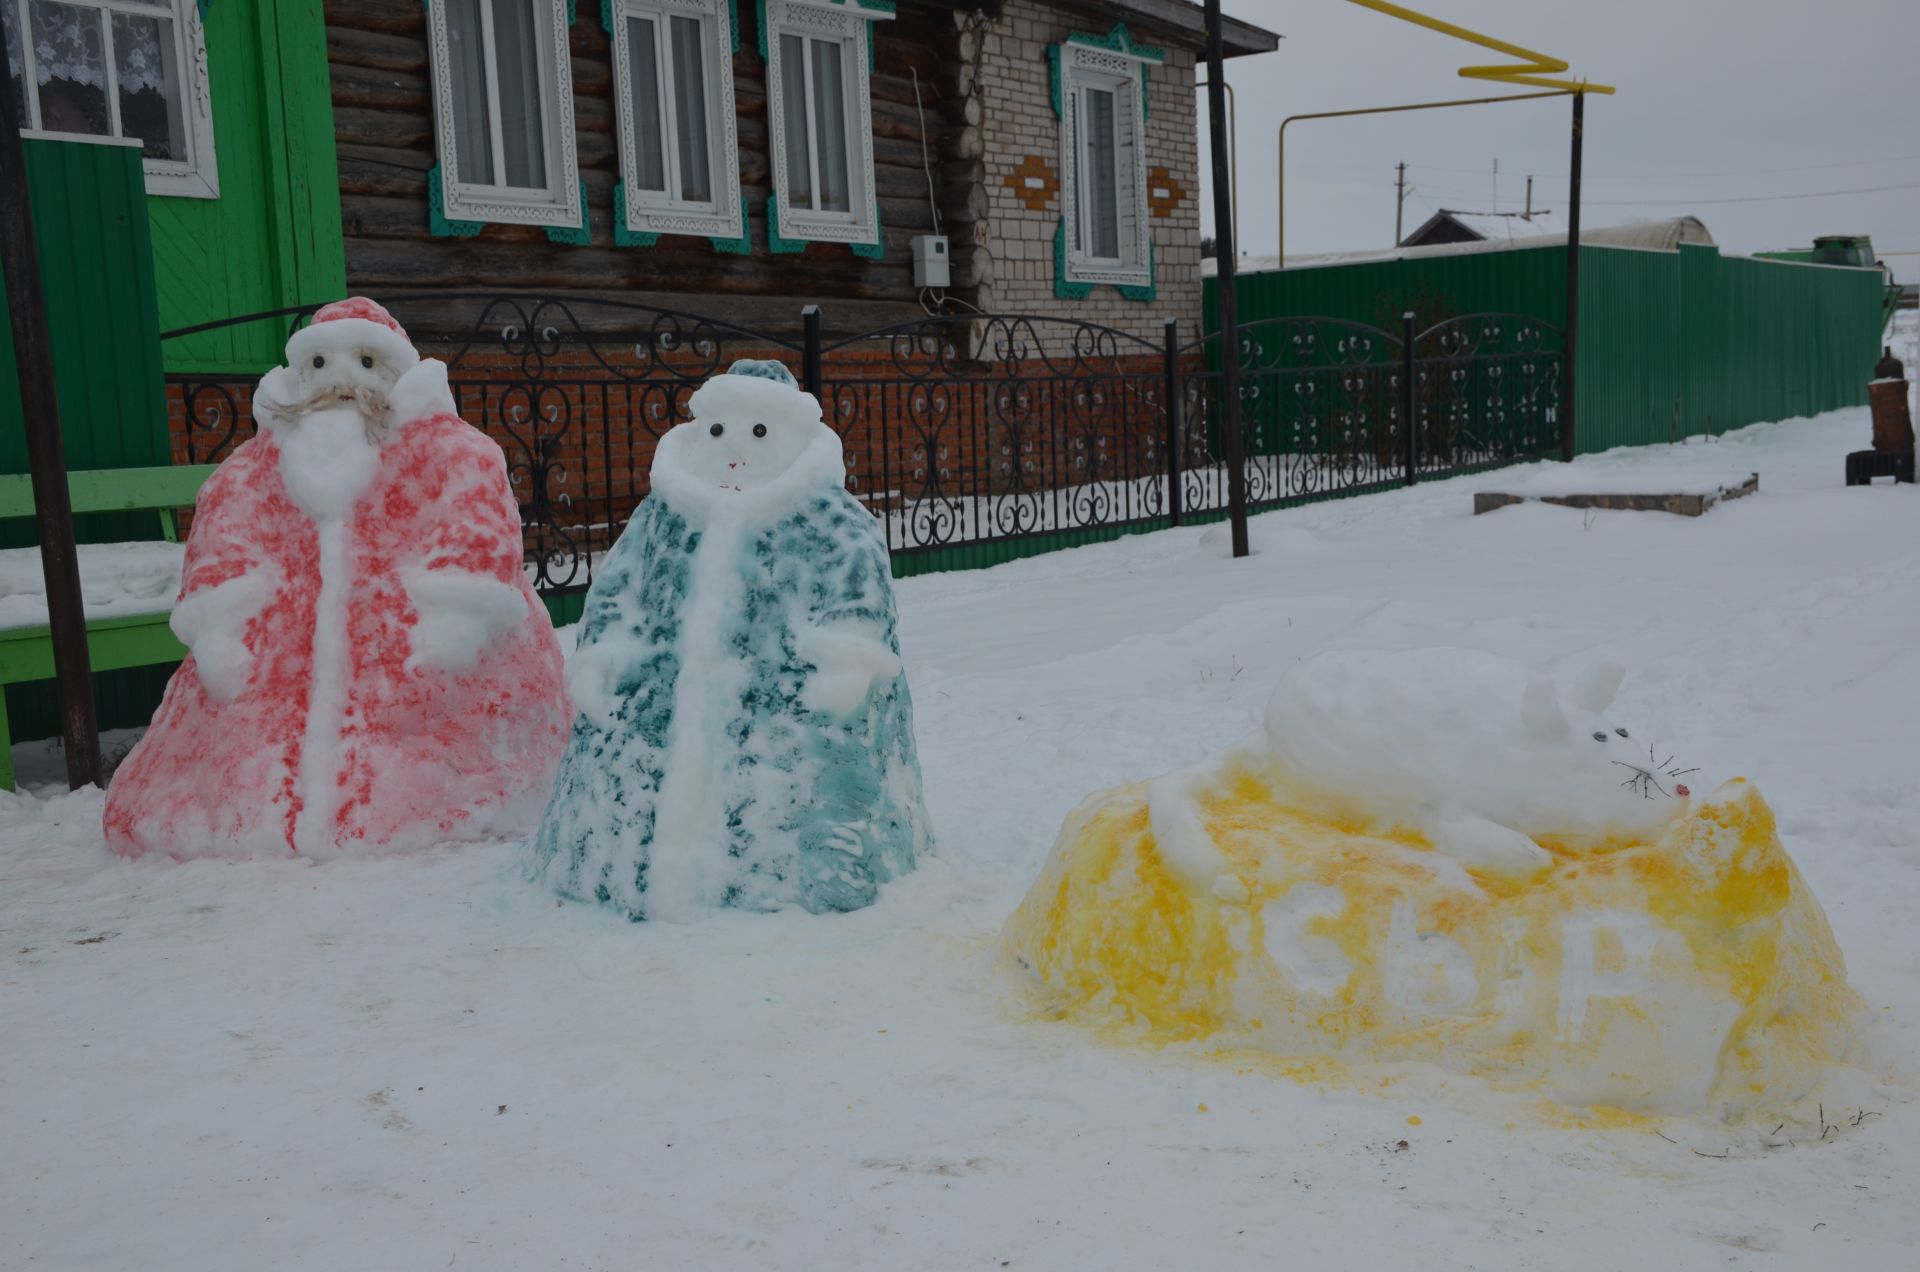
{"x": 1528, "y": 214}
{"x": 46, "y": 452}
{"x": 1225, "y": 262}
{"x": 1570, "y": 351}
{"x": 1399, "y": 201}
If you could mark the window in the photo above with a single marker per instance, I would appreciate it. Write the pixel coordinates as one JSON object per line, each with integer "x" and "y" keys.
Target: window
{"x": 821, "y": 120}
{"x": 129, "y": 69}
{"x": 503, "y": 109}
{"x": 679, "y": 150}
{"x": 1100, "y": 94}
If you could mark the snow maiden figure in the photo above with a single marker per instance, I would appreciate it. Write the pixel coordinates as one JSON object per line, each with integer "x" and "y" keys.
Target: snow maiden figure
{"x": 367, "y": 667}
{"x": 745, "y": 736}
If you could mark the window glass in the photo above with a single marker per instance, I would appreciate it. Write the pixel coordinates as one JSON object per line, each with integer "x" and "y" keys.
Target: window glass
{"x": 516, "y": 56}
{"x": 473, "y": 117}
{"x": 830, "y": 127}
{"x": 1102, "y": 193}
{"x": 70, "y": 68}
{"x": 690, "y": 97}
{"x": 148, "y": 79}
{"x": 793, "y": 95}
{"x": 649, "y": 156}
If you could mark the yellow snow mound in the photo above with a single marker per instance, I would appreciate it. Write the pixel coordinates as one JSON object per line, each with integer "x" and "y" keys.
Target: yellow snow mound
{"x": 1694, "y": 973}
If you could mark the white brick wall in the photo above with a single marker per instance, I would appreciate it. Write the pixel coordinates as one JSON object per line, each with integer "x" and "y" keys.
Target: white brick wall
{"x": 1018, "y": 122}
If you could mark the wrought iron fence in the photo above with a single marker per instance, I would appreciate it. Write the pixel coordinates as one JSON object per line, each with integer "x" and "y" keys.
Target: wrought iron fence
{"x": 959, "y": 432}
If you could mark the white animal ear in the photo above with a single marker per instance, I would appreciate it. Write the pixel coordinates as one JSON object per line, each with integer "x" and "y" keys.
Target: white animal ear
{"x": 1540, "y": 712}
{"x": 1595, "y": 688}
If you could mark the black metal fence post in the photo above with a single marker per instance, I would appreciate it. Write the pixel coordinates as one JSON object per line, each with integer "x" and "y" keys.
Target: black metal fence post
{"x": 1170, "y": 398}
{"x": 1409, "y": 402}
{"x": 810, "y": 355}
{"x": 1569, "y": 332}
{"x": 46, "y": 452}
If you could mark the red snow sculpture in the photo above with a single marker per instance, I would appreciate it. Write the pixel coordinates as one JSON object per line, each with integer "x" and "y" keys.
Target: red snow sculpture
{"x": 368, "y": 667}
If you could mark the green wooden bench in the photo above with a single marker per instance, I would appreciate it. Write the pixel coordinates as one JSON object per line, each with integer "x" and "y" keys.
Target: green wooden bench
{"x": 122, "y": 640}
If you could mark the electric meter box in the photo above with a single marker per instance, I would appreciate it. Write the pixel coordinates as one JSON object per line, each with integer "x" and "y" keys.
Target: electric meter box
{"x": 930, "y": 261}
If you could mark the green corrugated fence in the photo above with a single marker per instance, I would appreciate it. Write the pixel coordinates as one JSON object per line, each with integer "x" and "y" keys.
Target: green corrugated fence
{"x": 90, "y": 216}
{"x": 1671, "y": 344}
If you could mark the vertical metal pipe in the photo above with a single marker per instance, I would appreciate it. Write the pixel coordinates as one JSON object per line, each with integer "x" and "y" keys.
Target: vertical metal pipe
{"x": 1224, "y": 260}
{"x": 46, "y": 452}
{"x": 1570, "y": 353}
{"x": 1409, "y": 403}
{"x": 810, "y": 356}
{"x": 1170, "y": 400}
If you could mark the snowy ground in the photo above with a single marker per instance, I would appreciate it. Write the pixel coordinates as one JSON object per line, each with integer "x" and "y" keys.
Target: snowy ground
{"x": 425, "y": 1063}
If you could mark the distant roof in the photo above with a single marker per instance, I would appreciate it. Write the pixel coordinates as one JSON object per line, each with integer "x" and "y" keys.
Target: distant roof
{"x": 1511, "y": 228}
{"x": 1657, "y": 236}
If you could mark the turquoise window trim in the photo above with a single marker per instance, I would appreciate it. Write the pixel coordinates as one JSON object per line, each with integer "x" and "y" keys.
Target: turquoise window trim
{"x": 780, "y": 245}
{"x": 760, "y": 22}
{"x": 437, "y": 223}
{"x": 579, "y": 235}
{"x": 1115, "y": 41}
{"x": 776, "y": 242}
{"x": 607, "y": 8}
{"x": 742, "y": 246}
{"x": 622, "y": 235}
{"x": 1148, "y": 292}
{"x": 1064, "y": 290}
{"x": 1119, "y": 41}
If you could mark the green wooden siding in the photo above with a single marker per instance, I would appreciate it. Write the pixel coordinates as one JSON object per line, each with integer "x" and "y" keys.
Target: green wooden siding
{"x": 1672, "y": 344}
{"x": 89, "y": 212}
{"x": 272, "y": 238}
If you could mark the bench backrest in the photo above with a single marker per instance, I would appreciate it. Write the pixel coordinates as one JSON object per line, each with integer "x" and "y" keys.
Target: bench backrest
{"x": 160, "y": 490}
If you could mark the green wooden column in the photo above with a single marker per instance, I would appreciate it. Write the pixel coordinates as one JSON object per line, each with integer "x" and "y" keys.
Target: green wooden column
{"x": 272, "y": 239}
{"x": 90, "y": 212}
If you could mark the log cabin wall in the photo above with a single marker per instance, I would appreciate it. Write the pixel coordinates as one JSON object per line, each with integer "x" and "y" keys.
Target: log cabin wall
{"x": 378, "y": 57}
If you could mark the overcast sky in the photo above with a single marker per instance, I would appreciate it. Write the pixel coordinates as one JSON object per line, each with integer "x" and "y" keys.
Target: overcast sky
{"x": 1718, "y": 100}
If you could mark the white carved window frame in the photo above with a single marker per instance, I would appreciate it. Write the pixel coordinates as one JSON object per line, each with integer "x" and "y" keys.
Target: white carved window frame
{"x": 1124, "y": 73}
{"x": 826, "y": 20}
{"x": 558, "y": 203}
{"x": 195, "y": 177}
{"x": 652, "y": 212}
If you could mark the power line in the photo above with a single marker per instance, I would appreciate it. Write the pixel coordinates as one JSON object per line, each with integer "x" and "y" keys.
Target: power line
{"x": 1753, "y": 198}
{"x": 1683, "y": 176}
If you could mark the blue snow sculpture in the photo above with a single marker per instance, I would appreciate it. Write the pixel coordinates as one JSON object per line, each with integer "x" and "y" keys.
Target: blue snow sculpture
{"x": 745, "y": 735}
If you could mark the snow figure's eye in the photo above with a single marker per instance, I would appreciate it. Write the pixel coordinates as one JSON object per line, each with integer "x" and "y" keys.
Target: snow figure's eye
{"x": 318, "y": 362}
{"x": 717, "y": 429}
{"x": 1599, "y": 737}
{"x": 1621, "y": 732}
{"x": 759, "y": 430}
{"x": 366, "y": 362}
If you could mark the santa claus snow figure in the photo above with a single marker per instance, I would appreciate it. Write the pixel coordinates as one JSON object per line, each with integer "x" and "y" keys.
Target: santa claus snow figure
{"x": 368, "y": 667}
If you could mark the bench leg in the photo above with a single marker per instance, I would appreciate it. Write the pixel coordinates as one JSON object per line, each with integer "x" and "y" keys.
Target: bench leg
{"x": 6, "y": 745}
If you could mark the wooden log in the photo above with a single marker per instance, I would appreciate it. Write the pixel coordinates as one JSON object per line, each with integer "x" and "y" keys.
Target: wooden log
{"x": 383, "y": 16}
{"x": 375, "y": 50}
{"x": 396, "y": 91}
{"x": 355, "y": 125}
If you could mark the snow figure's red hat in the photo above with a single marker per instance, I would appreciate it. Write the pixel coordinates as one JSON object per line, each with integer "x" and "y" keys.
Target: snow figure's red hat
{"x": 355, "y": 322}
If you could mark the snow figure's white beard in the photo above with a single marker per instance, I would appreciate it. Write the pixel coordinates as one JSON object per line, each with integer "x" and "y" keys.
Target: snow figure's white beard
{"x": 371, "y": 401}
{"x": 328, "y": 459}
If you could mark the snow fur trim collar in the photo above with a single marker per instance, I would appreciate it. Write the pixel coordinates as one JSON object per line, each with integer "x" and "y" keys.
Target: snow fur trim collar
{"x": 820, "y": 465}
{"x": 421, "y": 393}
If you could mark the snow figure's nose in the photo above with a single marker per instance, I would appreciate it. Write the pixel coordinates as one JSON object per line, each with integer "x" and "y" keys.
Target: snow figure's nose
{"x": 733, "y": 463}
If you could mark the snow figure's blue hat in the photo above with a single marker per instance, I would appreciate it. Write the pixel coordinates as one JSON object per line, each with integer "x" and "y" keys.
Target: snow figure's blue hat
{"x": 764, "y": 369}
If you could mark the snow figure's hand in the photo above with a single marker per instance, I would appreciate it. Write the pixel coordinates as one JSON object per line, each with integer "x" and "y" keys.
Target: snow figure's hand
{"x": 848, "y": 662}
{"x": 460, "y": 614}
{"x": 212, "y": 624}
{"x": 593, "y": 682}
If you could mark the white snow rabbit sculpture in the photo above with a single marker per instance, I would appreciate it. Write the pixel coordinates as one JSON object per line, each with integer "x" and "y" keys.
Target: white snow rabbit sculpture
{"x": 1479, "y": 753}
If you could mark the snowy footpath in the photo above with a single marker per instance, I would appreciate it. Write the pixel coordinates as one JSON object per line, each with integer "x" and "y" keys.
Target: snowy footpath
{"x": 430, "y": 1063}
